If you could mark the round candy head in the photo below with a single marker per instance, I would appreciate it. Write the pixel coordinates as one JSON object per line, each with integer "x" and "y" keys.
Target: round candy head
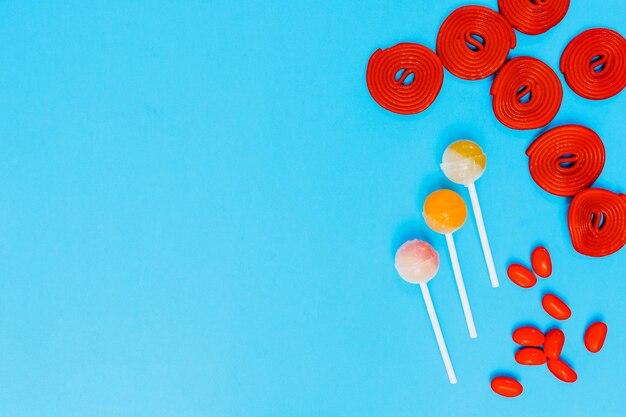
{"x": 444, "y": 211}
{"x": 463, "y": 162}
{"x": 417, "y": 261}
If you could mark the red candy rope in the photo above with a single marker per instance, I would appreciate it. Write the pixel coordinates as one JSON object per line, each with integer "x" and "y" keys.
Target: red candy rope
{"x": 533, "y": 17}
{"x": 520, "y": 77}
{"x": 396, "y": 96}
{"x": 566, "y": 159}
{"x": 589, "y": 51}
{"x": 597, "y": 222}
{"x": 460, "y": 49}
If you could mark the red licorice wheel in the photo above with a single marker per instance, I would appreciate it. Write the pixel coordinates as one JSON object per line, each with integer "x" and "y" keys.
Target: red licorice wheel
{"x": 594, "y": 64}
{"x": 389, "y": 69}
{"x": 597, "y": 222}
{"x": 526, "y": 94}
{"x": 533, "y": 17}
{"x": 566, "y": 159}
{"x": 474, "y": 41}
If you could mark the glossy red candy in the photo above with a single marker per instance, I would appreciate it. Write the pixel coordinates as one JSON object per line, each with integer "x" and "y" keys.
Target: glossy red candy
{"x": 506, "y": 386}
{"x": 389, "y": 73}
{"x": 541, "y": 262}
{"x": 553, "y": 346}
{"x": 562, "y": 370}
{"x": 530, "y": 356}
{"x": 528, "y": 336}
{"x": 566, "y": 159}
{"x": 521, "y": 275}
{"x": 595, "y": 336}
{"x": 555, "y": 307}
{"x": 597, "y": 222}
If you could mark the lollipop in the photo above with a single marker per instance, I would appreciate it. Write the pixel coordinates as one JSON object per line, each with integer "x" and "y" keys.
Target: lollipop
{"x": 445, "y": 212}
{"x": 417, "y": 262}
{"x": 463, "y": 163}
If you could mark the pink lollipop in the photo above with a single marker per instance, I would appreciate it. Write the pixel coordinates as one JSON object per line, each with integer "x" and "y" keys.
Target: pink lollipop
{"x": 417, "y": 262}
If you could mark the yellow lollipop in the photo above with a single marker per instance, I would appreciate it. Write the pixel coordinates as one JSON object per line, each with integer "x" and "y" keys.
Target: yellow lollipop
{"x": 445, "y": 212}
{"x": 464, "y": 162}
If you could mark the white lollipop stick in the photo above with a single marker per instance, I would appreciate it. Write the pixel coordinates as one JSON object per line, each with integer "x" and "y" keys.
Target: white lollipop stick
{"x": 438, "y": 335}
{"x": 483, "y": 235}
{"x": 461, "y": 286}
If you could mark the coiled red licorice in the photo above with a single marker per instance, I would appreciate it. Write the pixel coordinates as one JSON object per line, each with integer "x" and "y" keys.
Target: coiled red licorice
{"x": 566, "y": 159}
{"x": 533, "y": 17}
{"x": 463, "y": 54}
{"x": 526, "y": 76}
{"x": 391, "y": 91}
{"x": 597, "y": 222}
{"x": 598, "y": 49}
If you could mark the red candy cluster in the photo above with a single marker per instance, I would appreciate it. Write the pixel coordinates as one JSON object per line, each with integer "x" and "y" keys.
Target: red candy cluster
{"x": 566, "y": 161}
{"x": 473, "y": 43}
{"x": 539, "y": 348}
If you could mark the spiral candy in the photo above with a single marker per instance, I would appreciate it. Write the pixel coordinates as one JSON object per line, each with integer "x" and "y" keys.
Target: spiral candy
{"x": 396, "y": 96}
{"x": 526, "y": 77}
{"x": 474, "y": 41}
{"x": 533, "y": 17}
{"x": 566, "y": 159}
{"x": 597, "y": 222}
{"x": 594, "y": 64}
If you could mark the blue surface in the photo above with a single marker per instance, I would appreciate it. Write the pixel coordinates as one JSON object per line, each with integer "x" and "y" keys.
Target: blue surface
{"x": 201, "y": 202}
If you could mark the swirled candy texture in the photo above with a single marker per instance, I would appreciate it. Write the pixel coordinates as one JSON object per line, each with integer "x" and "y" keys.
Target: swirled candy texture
{"x": 463, "y": 162}
{"x": 526, "y": 94}
{"x": 566, "y": 159}
{"x": 533, "y": 17}
{"x": 405, "y": 78}
{"x": 597, "y": 222}
{"x": 594, "y": 64}
{"x": 474, "y": 41}
{"x": 417, "y": 261}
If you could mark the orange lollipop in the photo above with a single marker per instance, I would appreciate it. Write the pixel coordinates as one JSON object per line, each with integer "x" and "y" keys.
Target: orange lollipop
{"x": 445, "y": 212}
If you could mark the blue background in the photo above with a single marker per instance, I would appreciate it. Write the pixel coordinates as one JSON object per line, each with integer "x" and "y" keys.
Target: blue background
{"x": 201, "y": 202}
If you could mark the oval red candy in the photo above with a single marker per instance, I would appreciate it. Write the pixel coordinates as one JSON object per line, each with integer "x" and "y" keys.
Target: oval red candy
{"x": 562, "y": 371}
{"x": 506, "y": 386}
{"x": 528, "y": 336}
{"x": 555, "y": 307}
{"x": 553, "y": 346}
{"x": 595, "y": 336}
{"x": 530, "y": 356}
{"x": 541, "y": 262}
{"x": 521, "y": 275}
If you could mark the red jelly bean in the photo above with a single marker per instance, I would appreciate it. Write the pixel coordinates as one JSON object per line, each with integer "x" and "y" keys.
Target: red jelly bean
{"x": 530, "y": 356}
{"x": 506, "y": 386}
{"x": 555, "y": 307}
{"x": 595, "y": 336}
{"x": 553, "y": 346}
{"x": 528, "y": 336}
{"x": 521, "y": 275}
{"x": 542, "y": 264}
{"x": 562, "y": 370}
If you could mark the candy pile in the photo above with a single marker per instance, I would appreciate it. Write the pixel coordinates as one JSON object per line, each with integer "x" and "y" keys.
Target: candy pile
{"x": 539, "y": 348}
{"x": 473, "y": 43}
{"x": 566, "y": 161}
